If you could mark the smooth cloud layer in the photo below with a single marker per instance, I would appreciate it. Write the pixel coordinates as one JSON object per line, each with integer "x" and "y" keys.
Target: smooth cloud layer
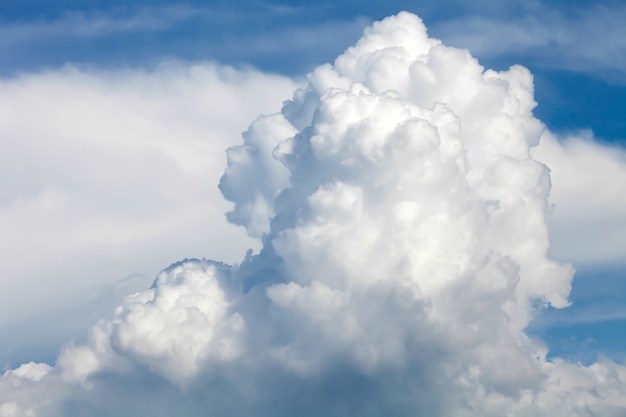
{"x": 106, "y": 175}
{"x": 588, "y": 224}
{"x": 403, "y": 223}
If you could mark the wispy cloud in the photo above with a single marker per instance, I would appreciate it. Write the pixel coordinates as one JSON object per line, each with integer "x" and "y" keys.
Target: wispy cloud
{"x": 591, "y": 39}
{"x": 263, "y": 34}
{"x": 596, "y": 313}
{"x": 83, "y": 24}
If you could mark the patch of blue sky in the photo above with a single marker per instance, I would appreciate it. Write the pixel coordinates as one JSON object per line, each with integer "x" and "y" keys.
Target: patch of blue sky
{"x": 581, "y": 83}
{"x": 569, "y": 101}
{"x": 595, "y": 324}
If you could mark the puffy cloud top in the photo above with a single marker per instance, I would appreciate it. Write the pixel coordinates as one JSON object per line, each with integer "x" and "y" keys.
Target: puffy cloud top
{"x": 404, "y": 234}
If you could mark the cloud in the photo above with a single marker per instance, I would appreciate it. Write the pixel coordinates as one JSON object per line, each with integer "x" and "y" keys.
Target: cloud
{"x": 272, "y": 37}
{"x": 402, "y": 218}
{"x": 106, "y": 175}
{"x": 90, "y": 25}
{"x": 587, "y": 223}
{"x": 585, "y": 39}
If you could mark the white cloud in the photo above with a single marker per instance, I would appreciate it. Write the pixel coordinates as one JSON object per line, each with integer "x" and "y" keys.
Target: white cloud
{"x": 588, "y": 220}
{"x": 586, "y": 39}
{"x": 404, "y": 229}
{"x": 109, "y": 174}
{"x": 180, "y": 323}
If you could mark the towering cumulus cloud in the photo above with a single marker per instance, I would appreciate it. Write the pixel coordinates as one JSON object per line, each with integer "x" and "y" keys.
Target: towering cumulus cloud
{"x": 403, "y": 223}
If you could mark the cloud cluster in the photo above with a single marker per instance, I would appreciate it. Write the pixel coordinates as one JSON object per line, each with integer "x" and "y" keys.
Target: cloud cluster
{"x": 404, "y": 251}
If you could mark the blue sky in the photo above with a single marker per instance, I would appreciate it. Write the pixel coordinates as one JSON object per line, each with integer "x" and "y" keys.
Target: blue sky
{"x": 576, "y": 51}
{"x": 581, "y": 83}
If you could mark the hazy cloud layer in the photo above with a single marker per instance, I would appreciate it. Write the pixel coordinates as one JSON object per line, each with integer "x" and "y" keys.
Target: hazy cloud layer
{"x": 106, "y": 176}
{"x": 588, "y": 220}
{"x": 404, "y": 237}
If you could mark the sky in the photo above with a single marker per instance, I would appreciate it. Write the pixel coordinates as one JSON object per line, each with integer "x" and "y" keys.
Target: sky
{"x": 391, "y": 231}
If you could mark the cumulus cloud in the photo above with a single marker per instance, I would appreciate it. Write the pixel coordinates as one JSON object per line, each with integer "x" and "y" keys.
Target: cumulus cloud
{"x": 404, "y": 234}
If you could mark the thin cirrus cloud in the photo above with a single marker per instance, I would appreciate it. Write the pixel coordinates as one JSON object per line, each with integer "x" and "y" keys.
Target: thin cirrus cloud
{"x": 404, "y": 251}
{"x": 81, "y": 24}
{"x": 214, "y": 31}
{"x": 587, "y": 40}
{"x": 42, "y": 42}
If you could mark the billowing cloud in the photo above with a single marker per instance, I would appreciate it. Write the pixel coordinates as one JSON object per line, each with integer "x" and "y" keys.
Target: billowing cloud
{"x": 404, "y": 234}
